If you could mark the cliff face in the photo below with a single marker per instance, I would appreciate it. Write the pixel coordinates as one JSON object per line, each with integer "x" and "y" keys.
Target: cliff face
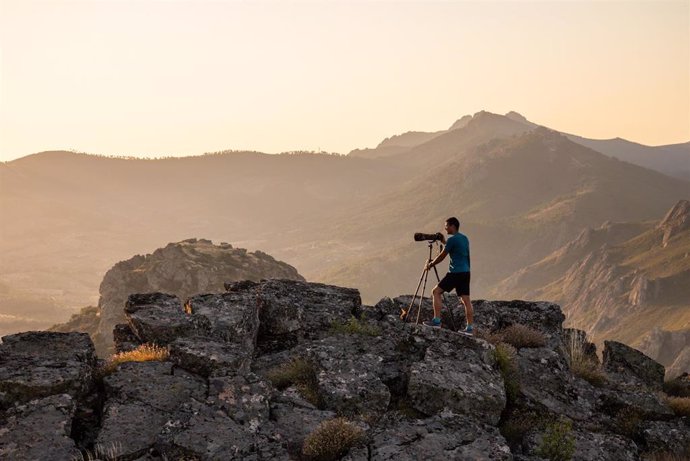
{"x": 182, "y": 269}
{"x": 621, "y": 281}
{"x": 253, "y": 371}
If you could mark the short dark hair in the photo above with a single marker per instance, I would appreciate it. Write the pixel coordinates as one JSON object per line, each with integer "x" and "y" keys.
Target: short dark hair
{"x": 453, "y": 222}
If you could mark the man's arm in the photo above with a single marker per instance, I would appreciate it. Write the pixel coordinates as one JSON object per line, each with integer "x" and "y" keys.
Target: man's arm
{"x": 437, "y": 259}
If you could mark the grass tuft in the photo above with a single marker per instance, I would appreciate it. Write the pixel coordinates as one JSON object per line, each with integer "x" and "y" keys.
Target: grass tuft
{"x": 331, "y": 439}
{"x": 679, "y": 405}
{"x": 143, "y": 353}
{"x": 558, "y": 443}
{"x": 517, "y": 335}
{"x": 302, "y": 374}
{"x": 506, "y": 358}
{"x": 355, "y": 326}
{"x": 580, "y": 363}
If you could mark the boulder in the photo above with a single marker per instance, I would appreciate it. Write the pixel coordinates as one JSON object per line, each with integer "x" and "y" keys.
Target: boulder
{"x": 245, "y": 399}
{"x": 210, "y": 358}
{"x": 457, "y": 374}
{"x": 591, "y": 446}
{"x": 38, "y": 364}
{"x": 630, "y": 367}
{"x": 667, "y": 436}
{"x": 39, "y": 429}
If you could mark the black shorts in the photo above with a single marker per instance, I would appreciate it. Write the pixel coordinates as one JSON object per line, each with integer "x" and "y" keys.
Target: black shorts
{"x": 460, "y": 281}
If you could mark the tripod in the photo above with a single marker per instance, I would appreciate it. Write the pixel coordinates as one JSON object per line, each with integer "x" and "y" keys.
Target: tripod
{"x": 422, "y": 279}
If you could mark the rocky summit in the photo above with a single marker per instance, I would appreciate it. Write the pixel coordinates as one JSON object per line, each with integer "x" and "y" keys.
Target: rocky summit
{"x": 285, "y": 369}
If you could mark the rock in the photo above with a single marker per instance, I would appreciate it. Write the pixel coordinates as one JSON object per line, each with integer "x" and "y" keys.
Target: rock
{"x": 183, "y": 269}
{"x": 154, "y": 384}
{"x": 210, "y": 358}
{"x": 124, "y": 338}
{"x": 667, "y": 436}
{"x": 37, "y": 364}
{"x": 245, "y": 399}
{"x": 679, "y": 386}
{"x": 129, "y": 430}
{"x": 640, "y": 402}
{"x": 291, "y": 311}
{"x": 457, "y": 373}
{"x": 546, "y": 384}
{"x": 294, "y": 419}
{"x": 158, "y": 318}
{"x": 231, "y": 317}
{"x": 444, "y": 436}
{"x": 676, "y": 220}
{"x": 38, "y": 430}
{"x": 630, "y": 367}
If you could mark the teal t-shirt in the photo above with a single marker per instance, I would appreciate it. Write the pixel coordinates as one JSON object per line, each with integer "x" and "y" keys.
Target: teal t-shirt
{"x": 458, "y": 247}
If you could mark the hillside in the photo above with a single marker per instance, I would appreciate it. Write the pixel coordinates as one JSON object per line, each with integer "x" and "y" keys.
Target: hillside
{"x": 619, "y": 281}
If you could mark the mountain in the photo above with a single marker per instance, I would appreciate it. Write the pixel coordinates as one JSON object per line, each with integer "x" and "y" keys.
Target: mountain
{"x": 183, "y": 269}
{"x": 282, "y": 370}
{"x": 520, "y": 192}
{"x": 619, "y": 281}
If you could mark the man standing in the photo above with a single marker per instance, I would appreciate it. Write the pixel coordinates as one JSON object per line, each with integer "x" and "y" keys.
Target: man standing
{"x": 458, "y": 276}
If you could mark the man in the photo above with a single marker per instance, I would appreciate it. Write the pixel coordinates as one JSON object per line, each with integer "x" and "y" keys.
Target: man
{"x": 458, "y": 276}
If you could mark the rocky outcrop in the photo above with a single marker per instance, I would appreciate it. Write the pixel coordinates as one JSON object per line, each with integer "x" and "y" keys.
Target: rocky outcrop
{"x": 182, "y": 269}
{"x": 253, "y": 371}
{"x": 676, "y": 221}
{"x": 671, "y": 348}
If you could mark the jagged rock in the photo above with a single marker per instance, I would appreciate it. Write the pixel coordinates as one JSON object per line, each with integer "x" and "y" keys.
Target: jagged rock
{"x": 462, "y": 379}
{"x": 158, "y": 318}
{"x": 183, "y": 269}
{"x": 631, "y": 367}
{"x": 645, "y": 404}
{"x": 290, "y": 311}
{"x": 348, "y": 376}
{"x": 592, "y": 446}
{"x": 444, "y": 436}
{"x": 38, "y": 430}
{"x": 679, "y": 386}
{"x": 246, "y": 399}
{"x": 547, "y": 384}
{"x": 37, "y": 364}
{"x": 130, "y": 430}
{"x": 154, "y": 384}
{"x": 230, "y": 317}
{"x": 676, "y": 220}
{"x": 210, "y": 358}
{"x": 681, "y": 364}
{"x": 125, "y": 339}
{"x": 667, "y": 436}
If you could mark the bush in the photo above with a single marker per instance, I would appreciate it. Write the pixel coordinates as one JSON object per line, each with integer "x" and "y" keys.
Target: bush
{"x": 580, "y": 363}
{"x": 558, "y": 443}
{"x": 331, "y": 439}
{"x": 518, "y": 424}
{"x": 355, "y": 326}
{"x": 518, "y": 336}
{"x": 302, "y": 374}
{"x": 679, "y": 405}
{"x": 506, "y": 358}
{"x": 678, "y": 387}
{"x": 143, "y": 353}
{"x": 627, "y": 423}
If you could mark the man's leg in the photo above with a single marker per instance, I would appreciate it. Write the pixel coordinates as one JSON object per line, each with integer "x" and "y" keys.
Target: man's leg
{"x": 437, "y": 294}
{"x": 469, "y": 312}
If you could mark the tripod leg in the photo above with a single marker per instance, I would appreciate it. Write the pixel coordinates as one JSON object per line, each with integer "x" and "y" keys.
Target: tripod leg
{"x": 421, "y": 299}
{"x": 405, "y": 314}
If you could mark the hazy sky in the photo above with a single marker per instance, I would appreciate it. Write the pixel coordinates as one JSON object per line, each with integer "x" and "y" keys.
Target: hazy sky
{"x": 162, "y": 78}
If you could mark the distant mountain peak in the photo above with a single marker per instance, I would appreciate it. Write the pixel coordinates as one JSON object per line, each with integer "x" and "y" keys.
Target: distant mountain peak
{"x": 461, "y": 122}
{"x": 516, "y": 116}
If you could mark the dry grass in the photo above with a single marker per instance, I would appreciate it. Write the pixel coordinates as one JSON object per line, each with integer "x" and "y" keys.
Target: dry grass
{"x": 302, "y": 374}
{"x": 679, "y": 405}
{"x": 518, "y": 336}
{"x": 581, "y": 364}
{"x": 331, "y": 439}
{"x": 143, "y": 353}
{"x": 667, "y": 456}
{"x": 677, "y": 388}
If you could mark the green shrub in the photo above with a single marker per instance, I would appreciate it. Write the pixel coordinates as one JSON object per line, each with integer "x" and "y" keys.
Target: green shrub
{"x": 302, "y": 374}
{"x": 331, "y": 439}
{"x": 355, "y": 326}
{"x": 558, "y": 443}
{"x": 518, "y": 424}
{"x": 506, "y": 358}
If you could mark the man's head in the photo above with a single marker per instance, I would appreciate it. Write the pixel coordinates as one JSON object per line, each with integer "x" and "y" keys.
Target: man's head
{"x": 452, "y": 225}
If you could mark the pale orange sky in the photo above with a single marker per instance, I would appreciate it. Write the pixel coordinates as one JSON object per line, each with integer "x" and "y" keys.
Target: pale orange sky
{"x": 155, "y": 78}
